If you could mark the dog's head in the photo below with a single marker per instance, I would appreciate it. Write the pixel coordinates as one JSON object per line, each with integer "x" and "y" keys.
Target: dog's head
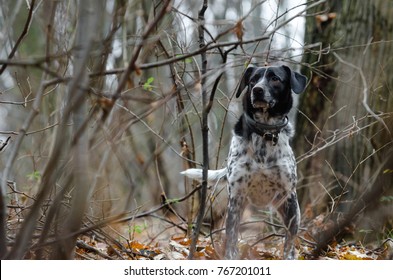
{"x": 269, "y": 89}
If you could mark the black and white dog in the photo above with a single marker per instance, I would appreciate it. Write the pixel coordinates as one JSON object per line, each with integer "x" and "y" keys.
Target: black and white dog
{"x": 261, "y": 166}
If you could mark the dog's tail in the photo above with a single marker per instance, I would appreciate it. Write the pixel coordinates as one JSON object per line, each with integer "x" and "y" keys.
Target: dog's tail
{"x": 213, "y": 176}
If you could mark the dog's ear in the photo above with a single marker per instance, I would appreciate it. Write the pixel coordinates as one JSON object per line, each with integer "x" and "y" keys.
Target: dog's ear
{"x": 245, "y": 79}
{"x": 298, "y": 81}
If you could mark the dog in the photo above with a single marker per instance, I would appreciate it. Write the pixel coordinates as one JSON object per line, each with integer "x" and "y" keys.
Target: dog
{"x": 261, "y": 166}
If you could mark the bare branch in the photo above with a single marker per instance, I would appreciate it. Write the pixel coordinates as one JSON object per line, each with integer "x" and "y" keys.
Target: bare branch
{"x": 365, "y": 92}
{"x": 205, "y": 130}
{"x": 7, "y": 171}
{"x": 135, "y": 54}
{"x": 22, "y": 35}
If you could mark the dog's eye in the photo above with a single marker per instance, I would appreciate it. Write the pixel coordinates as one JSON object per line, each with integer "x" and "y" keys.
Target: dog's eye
{"x": 275, "y": 79}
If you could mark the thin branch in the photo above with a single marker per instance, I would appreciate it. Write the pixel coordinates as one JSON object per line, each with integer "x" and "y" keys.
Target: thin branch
{"x": 3, "y": 145}
{"x": 120, "y": 218}
{"x": 83, "y": 245}
{"x": 365, "y": 92}
{"x": 205, "y": 131}
{"x": 135, "y": 54}
{"x": 139, "y": 118}
{"x": 214, "y": 45}
{"x": 374, "y": 191}
{"x": 10, "y": 162}
{"x": 339, "y": 135}
{"x": 22, "y": 35}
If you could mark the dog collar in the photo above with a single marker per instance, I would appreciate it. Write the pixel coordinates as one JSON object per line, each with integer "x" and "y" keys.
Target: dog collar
{"x": 268, "y": 131}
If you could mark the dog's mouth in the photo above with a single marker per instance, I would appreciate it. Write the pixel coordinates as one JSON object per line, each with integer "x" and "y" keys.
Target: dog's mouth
{"x": 257, "y": 104}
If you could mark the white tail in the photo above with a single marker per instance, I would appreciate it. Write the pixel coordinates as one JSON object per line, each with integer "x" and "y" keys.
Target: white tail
{"x": 213, "y": 176}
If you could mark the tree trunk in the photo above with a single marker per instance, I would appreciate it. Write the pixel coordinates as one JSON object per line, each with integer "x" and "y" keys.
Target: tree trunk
{"x": 343, "y": 130}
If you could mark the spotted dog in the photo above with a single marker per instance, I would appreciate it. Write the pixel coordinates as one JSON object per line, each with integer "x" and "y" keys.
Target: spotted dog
{"x": 261, "y": 166}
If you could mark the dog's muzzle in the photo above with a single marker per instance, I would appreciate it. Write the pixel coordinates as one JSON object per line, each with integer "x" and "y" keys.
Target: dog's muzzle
{"x": 261, "y": 98}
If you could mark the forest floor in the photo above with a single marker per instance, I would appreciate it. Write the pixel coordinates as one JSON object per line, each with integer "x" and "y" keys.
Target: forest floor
{"x": 178, "y": 249}
{"x": 145, "y": 241}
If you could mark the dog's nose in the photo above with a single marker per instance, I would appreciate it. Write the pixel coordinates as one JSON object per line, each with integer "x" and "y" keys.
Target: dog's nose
{"x": 258, "y": 91}
{"x": 262, "y": 97}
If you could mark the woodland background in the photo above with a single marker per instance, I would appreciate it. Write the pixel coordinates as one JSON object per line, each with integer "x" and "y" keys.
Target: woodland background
{"x": 103, "y": 103}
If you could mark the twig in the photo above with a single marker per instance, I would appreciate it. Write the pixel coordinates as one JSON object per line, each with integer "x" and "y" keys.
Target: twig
{"x": 86, "y": 246}
{"x": 7, "y": 170}
{"x": 205, "y": 130}
{"x": 365, "y": 92}
{"x": 312, "y": 243}
{"x": 373, "y": 193}
{"x": 120, "y": 218}
{"x": 22, "y": 35}
{"x": 139, "y": 118}
{"x": 3, "y": 145}
{"x": 135, "y": 54}
{"x": 213, "y": 45}
{"x": 339, "y": 135}
{"x": 267, "y": 237}
{"x": 380, "y": 248}
{"x": 207, "y": 47}
{"x": 177, "y": 225}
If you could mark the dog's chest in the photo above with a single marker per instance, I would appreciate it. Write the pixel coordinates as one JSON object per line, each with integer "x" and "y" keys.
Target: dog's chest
{"x": 264, "y": 172}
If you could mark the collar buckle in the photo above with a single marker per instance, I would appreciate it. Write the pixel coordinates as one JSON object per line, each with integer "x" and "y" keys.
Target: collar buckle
{"x": 267, "y": 131}
{"x": 271, "y": 137}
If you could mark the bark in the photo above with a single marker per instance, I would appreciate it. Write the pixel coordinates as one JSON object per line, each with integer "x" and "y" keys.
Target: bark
{"x": 351, "y": 81}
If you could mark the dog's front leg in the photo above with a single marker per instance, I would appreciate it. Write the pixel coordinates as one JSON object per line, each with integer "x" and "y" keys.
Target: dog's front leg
{"x": 290, "y": 213}
{"x": 235, "y": 210}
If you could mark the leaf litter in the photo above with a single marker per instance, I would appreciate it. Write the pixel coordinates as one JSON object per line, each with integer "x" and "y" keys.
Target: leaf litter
{"x": 174, "y": 245}
{"x": 178, "y": 249}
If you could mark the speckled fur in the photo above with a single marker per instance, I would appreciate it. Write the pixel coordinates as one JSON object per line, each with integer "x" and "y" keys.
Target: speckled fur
{"x": 264, "y": 175}
{"x": 259, "y": 171}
